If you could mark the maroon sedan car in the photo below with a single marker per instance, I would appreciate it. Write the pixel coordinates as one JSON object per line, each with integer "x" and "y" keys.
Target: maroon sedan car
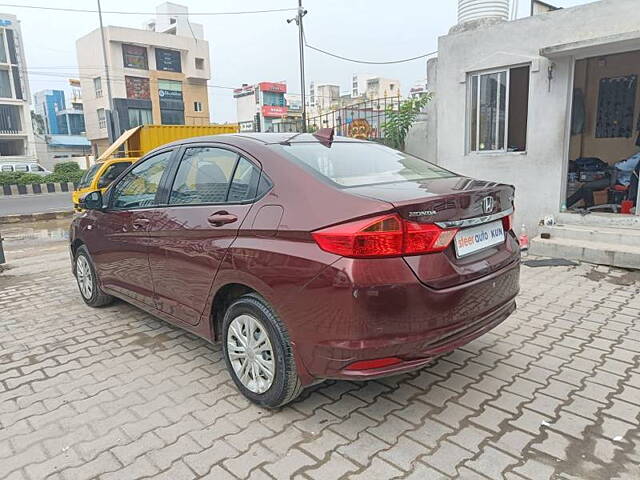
{"x": 308, "y": 257}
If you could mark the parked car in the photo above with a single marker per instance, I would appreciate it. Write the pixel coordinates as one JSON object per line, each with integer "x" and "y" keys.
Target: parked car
{"x": 98, "y": 177}
{"x": 309, "y": 257}
{"x": 23, "y": 168}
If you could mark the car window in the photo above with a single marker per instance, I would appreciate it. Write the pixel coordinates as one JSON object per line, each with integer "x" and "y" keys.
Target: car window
{"x": 203, "y": 176}
{"x": 350, "y": 164}
{"x": 111, "y": 173}
{"x": 138, "y": 188}
{"x": 86, "y": 179}
{"x": 244, "y": 183}
{"x": 7, "y": 168}
{"x": 36, "y": 168}
{"x": 22, "y": 168}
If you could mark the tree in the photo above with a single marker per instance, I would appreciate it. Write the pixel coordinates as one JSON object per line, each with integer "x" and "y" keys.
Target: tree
{"x": 38, "y": 123}
{"x": 399, "y": 121}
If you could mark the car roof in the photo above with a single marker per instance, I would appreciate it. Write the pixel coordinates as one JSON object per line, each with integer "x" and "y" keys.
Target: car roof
{"x": 263, "y": 138}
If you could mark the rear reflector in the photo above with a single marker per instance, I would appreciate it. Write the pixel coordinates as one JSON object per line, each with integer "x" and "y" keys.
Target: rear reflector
{"x": 384, "y": 236}
{"x": 377, "y": 363}
{"x": 507, "y": 222}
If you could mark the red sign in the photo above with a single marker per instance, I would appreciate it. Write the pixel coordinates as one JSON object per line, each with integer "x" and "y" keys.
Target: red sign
{"x": 273, "y": 111}
{"x": 273, "y": 87}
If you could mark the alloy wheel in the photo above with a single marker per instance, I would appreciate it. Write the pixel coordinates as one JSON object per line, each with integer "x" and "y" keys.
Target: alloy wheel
{"x": 84, "y": 277}
{"x": 250, "y": 353}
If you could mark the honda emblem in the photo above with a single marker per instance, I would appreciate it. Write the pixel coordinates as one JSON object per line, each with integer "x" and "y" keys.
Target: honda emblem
{"x": 487, "y": 204}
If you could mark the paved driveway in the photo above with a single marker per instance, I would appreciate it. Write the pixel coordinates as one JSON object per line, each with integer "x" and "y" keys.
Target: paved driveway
{"x": 113, "y": 393}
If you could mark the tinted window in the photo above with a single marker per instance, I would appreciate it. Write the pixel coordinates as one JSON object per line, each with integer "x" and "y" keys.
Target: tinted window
{"x": 203, "y": 176}
{"x": 7, "y": 168}
{"x": 245, "y": 181}
{"x": 22, "y": 168}
{"x": 139, "y": 187}
{"x": 352, "y": 163}
{"x": 111, "y": 173}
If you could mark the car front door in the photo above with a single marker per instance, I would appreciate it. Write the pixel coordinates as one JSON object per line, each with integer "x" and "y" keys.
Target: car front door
{"x": 120, "y": 247}
{"x": 210, "y": 196}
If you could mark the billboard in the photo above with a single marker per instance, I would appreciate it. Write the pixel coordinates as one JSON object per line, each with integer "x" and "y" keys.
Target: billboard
{"x": 168, "y": 60}
{"x": 274, "y": 110}
{"x": 273, "y": 87}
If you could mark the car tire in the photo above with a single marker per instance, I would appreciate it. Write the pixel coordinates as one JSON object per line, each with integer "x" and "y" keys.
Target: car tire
{"x": 87, "y": 280}
{"x": 252, "y": 318}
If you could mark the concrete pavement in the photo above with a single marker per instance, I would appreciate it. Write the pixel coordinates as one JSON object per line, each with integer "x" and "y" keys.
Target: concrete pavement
{"x": 113, "y": 393}
{"x": 27, "y": 204}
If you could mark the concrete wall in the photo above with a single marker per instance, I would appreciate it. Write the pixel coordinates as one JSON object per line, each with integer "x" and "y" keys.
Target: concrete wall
{"x": 538, "y": 173}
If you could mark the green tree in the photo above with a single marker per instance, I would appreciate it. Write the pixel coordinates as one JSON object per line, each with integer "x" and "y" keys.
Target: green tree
{"x": 398, "y": 121}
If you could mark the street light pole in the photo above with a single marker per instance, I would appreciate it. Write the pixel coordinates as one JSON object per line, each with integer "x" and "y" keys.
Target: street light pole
{"x": 298, "y": 19}
{"x": 112, "y": 136}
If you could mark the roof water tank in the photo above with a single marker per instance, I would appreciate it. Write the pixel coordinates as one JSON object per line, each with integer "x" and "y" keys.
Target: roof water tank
{"x": 475, "y": 9}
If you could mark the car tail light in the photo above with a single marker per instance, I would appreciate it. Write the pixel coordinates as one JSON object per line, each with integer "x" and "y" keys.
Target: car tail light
{"x": 377, "y": 363}
{"x": 507, "y": 222}
{"x": 384, "y": 236}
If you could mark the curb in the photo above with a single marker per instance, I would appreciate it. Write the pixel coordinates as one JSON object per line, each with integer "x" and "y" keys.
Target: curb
{"x": 35, "y": 188}
{"x": 35, "y": 217}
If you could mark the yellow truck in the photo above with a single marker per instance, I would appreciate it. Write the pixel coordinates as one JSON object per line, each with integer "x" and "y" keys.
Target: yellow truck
{"x": 132, "y": 145}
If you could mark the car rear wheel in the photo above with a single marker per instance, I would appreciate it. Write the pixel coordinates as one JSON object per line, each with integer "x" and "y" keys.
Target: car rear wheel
{"x": 88, "y": 281}
{"x": 258, "y": 353}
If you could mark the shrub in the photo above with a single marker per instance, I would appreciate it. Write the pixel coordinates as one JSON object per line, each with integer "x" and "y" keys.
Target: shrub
{"x": 66, "y": 168}
{"x": 68, "y": 174}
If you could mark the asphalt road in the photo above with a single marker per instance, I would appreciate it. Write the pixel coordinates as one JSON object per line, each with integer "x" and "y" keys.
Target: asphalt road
{"x": 23, "y": 204}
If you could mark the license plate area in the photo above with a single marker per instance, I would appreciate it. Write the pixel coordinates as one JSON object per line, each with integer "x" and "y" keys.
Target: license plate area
{"x": 474, "y": 239}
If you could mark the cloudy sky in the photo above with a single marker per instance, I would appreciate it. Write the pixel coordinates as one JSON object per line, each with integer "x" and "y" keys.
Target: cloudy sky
{"x": 259, "y": 47}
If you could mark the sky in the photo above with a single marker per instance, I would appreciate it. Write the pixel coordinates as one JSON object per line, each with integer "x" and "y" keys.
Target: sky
{"x": 259, "y": 47}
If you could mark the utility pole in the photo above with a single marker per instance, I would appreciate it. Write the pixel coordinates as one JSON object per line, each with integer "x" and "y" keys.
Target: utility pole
{"x": 298, "y": 19}
{"x": 116, "y": 124}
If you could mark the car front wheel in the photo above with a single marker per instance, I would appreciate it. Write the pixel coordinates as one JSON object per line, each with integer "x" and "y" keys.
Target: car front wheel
{"x": 258, "y": 353}
{"x": 87, "y": 280}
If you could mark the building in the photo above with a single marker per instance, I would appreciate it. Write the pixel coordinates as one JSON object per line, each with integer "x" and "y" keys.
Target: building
{"x": 157, "y": 75}
{"x": 380, "y": 87}
{"x": 57, "y": 119}
{"x": 359, "y": 84}
{"x": 52, "y": 149}
{"x": 263, "y": 108}
{"x": 323, "y": 96}
{"x": 16, "y": 131}
{"x": 516, "y": 101}
{"x": 419, "y": 88}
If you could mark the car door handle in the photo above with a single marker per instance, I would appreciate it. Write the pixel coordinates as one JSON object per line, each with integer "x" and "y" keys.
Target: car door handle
{"x": 140, "y": 223}
{"x": 221, "y": 218}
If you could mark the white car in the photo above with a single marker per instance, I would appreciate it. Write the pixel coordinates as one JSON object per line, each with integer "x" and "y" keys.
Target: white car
{"x": 24, "y": 168}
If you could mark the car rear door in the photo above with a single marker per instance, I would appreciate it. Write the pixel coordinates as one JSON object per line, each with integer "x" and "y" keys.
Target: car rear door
{"x": 118, "y": 241}
{"x": 212, "y": 191}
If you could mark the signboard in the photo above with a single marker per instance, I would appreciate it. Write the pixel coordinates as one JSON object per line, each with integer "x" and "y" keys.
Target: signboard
{"x": 273, "y": 111}
{"x": 168, "y": 60}
{"x": 273, "y": 87}
{"x": 246, "y": 126}
{"x": 169, "y": 94}
{"x": 137, "y": 87}
{"x": 134, "y": 56}
{"x": 170, "y": 89}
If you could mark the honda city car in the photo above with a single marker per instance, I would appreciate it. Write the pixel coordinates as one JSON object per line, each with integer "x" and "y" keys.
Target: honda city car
{"x": 308, "y": 257}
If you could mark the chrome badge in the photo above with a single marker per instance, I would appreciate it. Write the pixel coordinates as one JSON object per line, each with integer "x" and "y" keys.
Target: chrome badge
{"x": 422, "y": 213}
{"x": 487, "y": 204}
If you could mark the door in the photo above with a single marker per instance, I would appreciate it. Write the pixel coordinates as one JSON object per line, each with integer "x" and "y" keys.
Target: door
{"x": 121, "y": 232}
{"x": 211, "y": 194}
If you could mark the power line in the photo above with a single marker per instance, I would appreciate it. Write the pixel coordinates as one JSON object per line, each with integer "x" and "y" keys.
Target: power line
{"x": 367, "y": 62}
{"x": 120, "y": 12}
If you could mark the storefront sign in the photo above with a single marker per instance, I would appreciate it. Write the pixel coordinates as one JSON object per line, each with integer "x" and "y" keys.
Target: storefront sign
{"x": 137, "y": 87}
{"x": 168, "y": 60}
{"x": 273, "y": 111}
{"x": 134, "y": 56}
{"x": 246, "y": 126}
{"x": 172, "y": 94}
{"x": 273, "y": 87}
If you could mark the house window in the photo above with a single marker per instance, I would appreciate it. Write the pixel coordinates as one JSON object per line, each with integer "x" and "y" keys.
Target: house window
{"x": 3, "y": 52}
{"x": 140, "y": 116}
{"x": 197, "y": 106}
{"x": 5, "y": 84}
{"x": 135, "y": 56}
{"x": 97, "y": 86}
{"x": 199, "y": 63}
{"x": 498, "y": 106}
{"x": 102, "y": 119}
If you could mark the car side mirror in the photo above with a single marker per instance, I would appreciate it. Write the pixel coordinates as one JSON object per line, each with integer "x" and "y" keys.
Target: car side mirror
{"x": 92, "y": 201}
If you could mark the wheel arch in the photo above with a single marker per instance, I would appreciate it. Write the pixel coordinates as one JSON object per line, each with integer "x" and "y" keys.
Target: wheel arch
{"x": 225, "y": 296}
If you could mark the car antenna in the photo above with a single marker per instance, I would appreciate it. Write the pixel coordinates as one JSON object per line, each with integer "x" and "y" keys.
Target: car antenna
{"x": 325, "y": 135}
{"x": 288, "y": 140}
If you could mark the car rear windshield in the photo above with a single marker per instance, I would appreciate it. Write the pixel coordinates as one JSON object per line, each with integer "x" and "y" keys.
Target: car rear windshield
{"x": 85, "y": 181}
{"x": 352, "y": 164}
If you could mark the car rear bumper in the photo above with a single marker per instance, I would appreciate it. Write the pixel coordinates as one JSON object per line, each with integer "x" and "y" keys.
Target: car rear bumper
{"x": 367, "y": 310}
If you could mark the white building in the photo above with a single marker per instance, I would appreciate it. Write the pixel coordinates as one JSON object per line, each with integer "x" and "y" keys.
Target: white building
{"x": 504, "y": 96}
{"x": 359, "y": 84}
{"x": 16, "y": 131}
{"x": 323, "y": 96}
{"x": 158, "y": 75}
